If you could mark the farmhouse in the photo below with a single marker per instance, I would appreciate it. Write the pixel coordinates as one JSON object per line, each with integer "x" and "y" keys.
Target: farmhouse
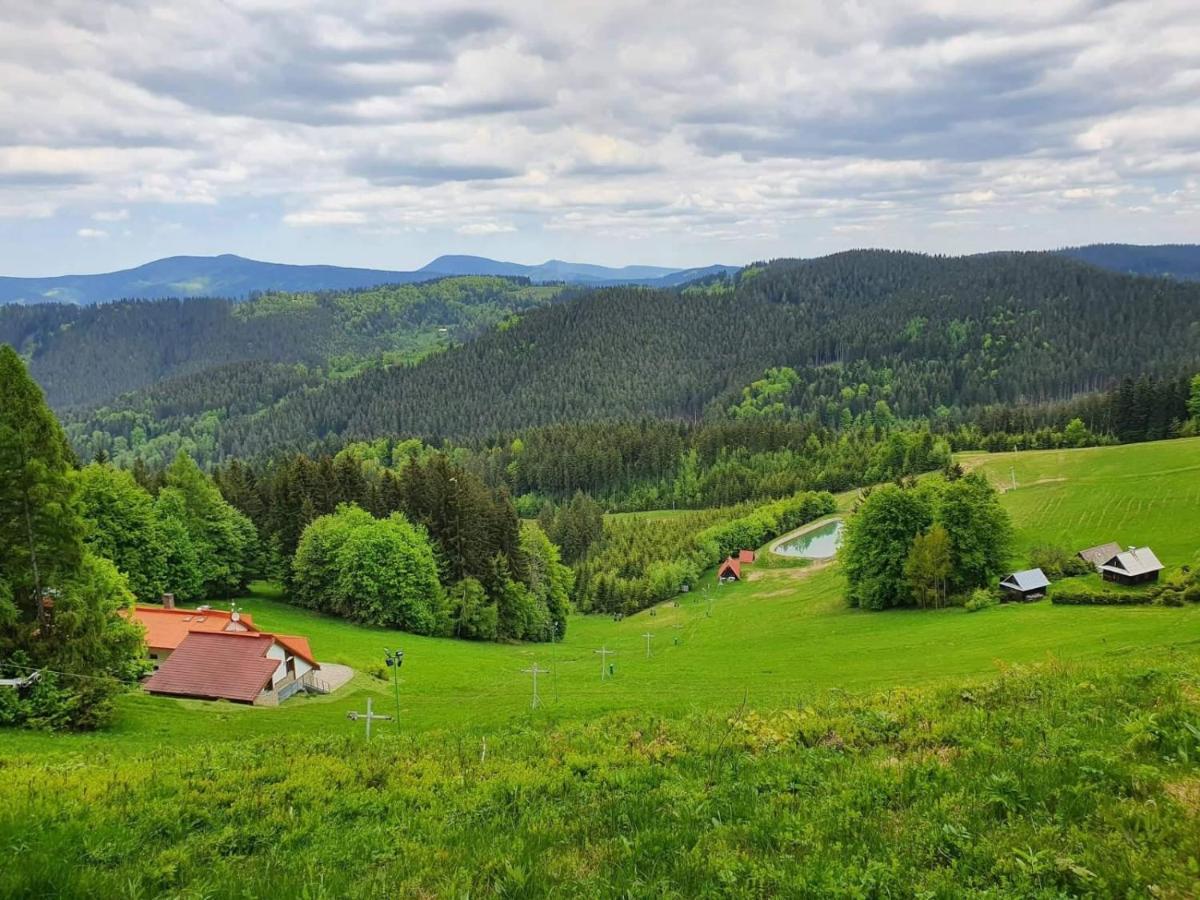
{"x": 730, "y": 570}
{"x": 1100, "y": 554}
{"x": 1137, "y": 565}
{"x": 167, "y": 627}
{"x": 1029, "y": 584}
{"x": 242, "y": 666}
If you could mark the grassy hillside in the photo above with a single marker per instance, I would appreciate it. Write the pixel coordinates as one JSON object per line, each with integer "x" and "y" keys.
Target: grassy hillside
{"x": 780, "y": 637}
{"x": 1064, "y": 781}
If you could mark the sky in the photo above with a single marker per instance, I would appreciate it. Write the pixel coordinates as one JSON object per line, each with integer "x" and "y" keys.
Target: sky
{"x": 674, "y": 133}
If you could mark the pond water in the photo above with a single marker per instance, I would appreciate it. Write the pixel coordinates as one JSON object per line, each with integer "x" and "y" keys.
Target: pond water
{"x": 820, "y": 543}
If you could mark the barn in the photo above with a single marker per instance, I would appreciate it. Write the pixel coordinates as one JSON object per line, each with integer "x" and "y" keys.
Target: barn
{"x": 1137, "y": 565}
{"x": 1029, "y": 584}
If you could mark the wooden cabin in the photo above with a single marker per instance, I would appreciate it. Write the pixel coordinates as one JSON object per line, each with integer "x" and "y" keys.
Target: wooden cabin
{"x": 1097, "y": 556}
{"x": 1137, "y": 565}
{"x": 1029, "y": 584}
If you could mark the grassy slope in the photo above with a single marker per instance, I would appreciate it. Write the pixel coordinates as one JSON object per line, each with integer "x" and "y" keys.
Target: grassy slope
{"x": 784, "y": 636}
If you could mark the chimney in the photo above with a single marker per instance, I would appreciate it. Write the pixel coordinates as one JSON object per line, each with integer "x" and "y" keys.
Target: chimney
{"x": 168, "y": 601}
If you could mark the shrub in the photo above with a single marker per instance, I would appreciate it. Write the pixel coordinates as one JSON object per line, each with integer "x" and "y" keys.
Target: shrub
{"x": 1078, "y": 595}
{"x": 981, "y": 598}
{"x": 1171, "y": 598}
{"x": 1058, "y": 562}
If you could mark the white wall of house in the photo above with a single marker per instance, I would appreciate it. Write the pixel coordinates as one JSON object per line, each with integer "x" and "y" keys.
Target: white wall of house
{"x": 281, "y": 653}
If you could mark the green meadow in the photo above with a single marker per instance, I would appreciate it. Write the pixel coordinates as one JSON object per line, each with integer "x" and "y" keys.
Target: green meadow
{"x": 781, "y": 637}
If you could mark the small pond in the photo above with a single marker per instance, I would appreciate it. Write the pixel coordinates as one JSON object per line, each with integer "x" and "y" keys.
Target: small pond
{"x": 820, "y": 543}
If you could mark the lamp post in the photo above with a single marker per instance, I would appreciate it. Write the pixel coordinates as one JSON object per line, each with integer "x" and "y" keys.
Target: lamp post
{"x": 393, "y": 659}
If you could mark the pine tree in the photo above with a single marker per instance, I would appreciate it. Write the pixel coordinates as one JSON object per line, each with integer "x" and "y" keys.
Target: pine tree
{"x": 41, "y": 534}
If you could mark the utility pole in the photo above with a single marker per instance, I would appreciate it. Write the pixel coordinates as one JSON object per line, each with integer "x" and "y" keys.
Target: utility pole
{"x": 535, "y": 672}
{"x": 1013, "y": 471}
{"x": 370, "y": 716}
{"x": 394, "y": 660}
{"x": 649, "y": 637}
{"x": 605, "y": 653}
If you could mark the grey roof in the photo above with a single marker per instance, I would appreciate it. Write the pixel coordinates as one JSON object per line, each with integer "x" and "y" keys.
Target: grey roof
{"x": 1134, "y": 561}
{"x": 1101, "y": 553}
{"x": 1028, "y": 580}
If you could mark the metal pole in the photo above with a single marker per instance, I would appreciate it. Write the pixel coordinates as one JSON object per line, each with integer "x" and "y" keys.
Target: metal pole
{"x": 649, "y": 637}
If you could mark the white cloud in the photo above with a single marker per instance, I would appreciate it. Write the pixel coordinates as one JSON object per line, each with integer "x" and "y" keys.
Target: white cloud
{"x": 479, "y": 228}
{"x": 92, "y": 233}
{"x": 762, "y": 127}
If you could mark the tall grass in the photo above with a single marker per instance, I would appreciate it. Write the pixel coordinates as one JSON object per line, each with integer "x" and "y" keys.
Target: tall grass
{"x": 1044, "y": 782}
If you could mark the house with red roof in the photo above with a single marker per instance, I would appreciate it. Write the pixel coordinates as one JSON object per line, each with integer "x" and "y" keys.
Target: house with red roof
{"x": 210, "y": 654}
{"x": 730, "y": 570}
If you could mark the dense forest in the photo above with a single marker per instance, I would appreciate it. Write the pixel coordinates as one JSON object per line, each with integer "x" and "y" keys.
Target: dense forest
{"x": 855, "y": 340}
{"x": 84, "y": 356}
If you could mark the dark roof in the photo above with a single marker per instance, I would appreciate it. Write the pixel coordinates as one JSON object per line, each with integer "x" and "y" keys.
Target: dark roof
{"x": 1027, "y": 580}
{"x": 1101, "y": 553}
{"x": 1134, "y": 561}
{"x": 730, "y": 565}
{"x": 217, "y": 666}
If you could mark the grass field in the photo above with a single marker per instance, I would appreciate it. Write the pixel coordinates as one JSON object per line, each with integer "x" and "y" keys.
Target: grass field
{"x": 782, "y": 637}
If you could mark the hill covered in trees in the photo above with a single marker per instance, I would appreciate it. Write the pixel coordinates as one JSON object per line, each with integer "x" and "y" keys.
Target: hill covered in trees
{"x": 83, "y": 356}
{"x": 886, "y": 335}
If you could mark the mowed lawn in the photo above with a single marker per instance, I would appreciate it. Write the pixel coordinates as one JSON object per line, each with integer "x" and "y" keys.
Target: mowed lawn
{"x": 778, "y": 639}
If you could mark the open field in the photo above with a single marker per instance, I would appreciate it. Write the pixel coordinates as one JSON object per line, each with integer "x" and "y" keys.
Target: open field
{"x": 772, "y": 641}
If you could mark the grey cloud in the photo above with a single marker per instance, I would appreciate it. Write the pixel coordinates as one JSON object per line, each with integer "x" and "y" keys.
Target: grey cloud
{"x": 380, "y": 169}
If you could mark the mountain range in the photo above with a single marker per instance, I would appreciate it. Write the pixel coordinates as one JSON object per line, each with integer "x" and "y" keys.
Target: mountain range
{"x": 236, "y": 277}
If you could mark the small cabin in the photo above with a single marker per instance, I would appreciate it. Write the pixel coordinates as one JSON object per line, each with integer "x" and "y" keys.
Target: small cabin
{"x": 1100, "y": 554}
{"x": 1030, "y": 584}
{"x": 745, "y": 556}
{"x": 730, "y": 570}
{"x": 1137, "y": 565}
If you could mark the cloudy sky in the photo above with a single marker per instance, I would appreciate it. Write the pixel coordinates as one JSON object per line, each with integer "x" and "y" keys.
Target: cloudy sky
{"x": 676, "y": 133}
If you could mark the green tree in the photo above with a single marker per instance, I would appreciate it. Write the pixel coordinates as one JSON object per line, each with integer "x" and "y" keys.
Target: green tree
{"x": 387, "y": 575}
{"x": 877, "y": 542}
{"x": 928, "y": 566}
{"x": 550, "y": 582}
{"x": 181, "y": 574}
{"x": 979, "y": 529}
{"x": 222, "y": 537}
{"x": 121, "y": 526}
{"x": 1193, "y": 404}
{"x": 473, "y": 614}
{"x": 40, "y": 529}
{"x": 61, "y": 608}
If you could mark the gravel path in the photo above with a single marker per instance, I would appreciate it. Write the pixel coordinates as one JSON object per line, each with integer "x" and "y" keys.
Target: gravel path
{"x": 335, "y": 675}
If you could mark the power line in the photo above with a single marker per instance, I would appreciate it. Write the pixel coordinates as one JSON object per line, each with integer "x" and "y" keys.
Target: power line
{"x": 535, "y": 672}
{"x": 605, "y": 653}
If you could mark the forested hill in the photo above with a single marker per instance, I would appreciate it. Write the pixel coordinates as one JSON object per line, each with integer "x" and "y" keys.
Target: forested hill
{"x": 83, "y": 356}
{"x": 1163, "y": 260}
{"x": 923, "y": 336}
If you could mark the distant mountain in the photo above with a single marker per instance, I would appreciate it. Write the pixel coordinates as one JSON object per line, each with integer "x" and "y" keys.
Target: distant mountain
{"x": 573, "y": 273}
{"x": 195, "y": 276}
{"x": 236, "y": 277}
{"x": 1170, "y": 260}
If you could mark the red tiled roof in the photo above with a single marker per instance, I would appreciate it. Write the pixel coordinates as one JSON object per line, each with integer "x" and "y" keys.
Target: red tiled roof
{"x": 167, "y": 628}
{"x": 731, "y": 565}
{"x": 746, "y": 556}
{"x": 217, "y": 666}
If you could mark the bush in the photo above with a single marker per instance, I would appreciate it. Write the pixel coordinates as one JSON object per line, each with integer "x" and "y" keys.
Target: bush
{"x": 1171, "y": 598}
{"x": 1079, "y": 595}
{"x": 1058, "y": 562}
{"x": 981, "y": 598}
